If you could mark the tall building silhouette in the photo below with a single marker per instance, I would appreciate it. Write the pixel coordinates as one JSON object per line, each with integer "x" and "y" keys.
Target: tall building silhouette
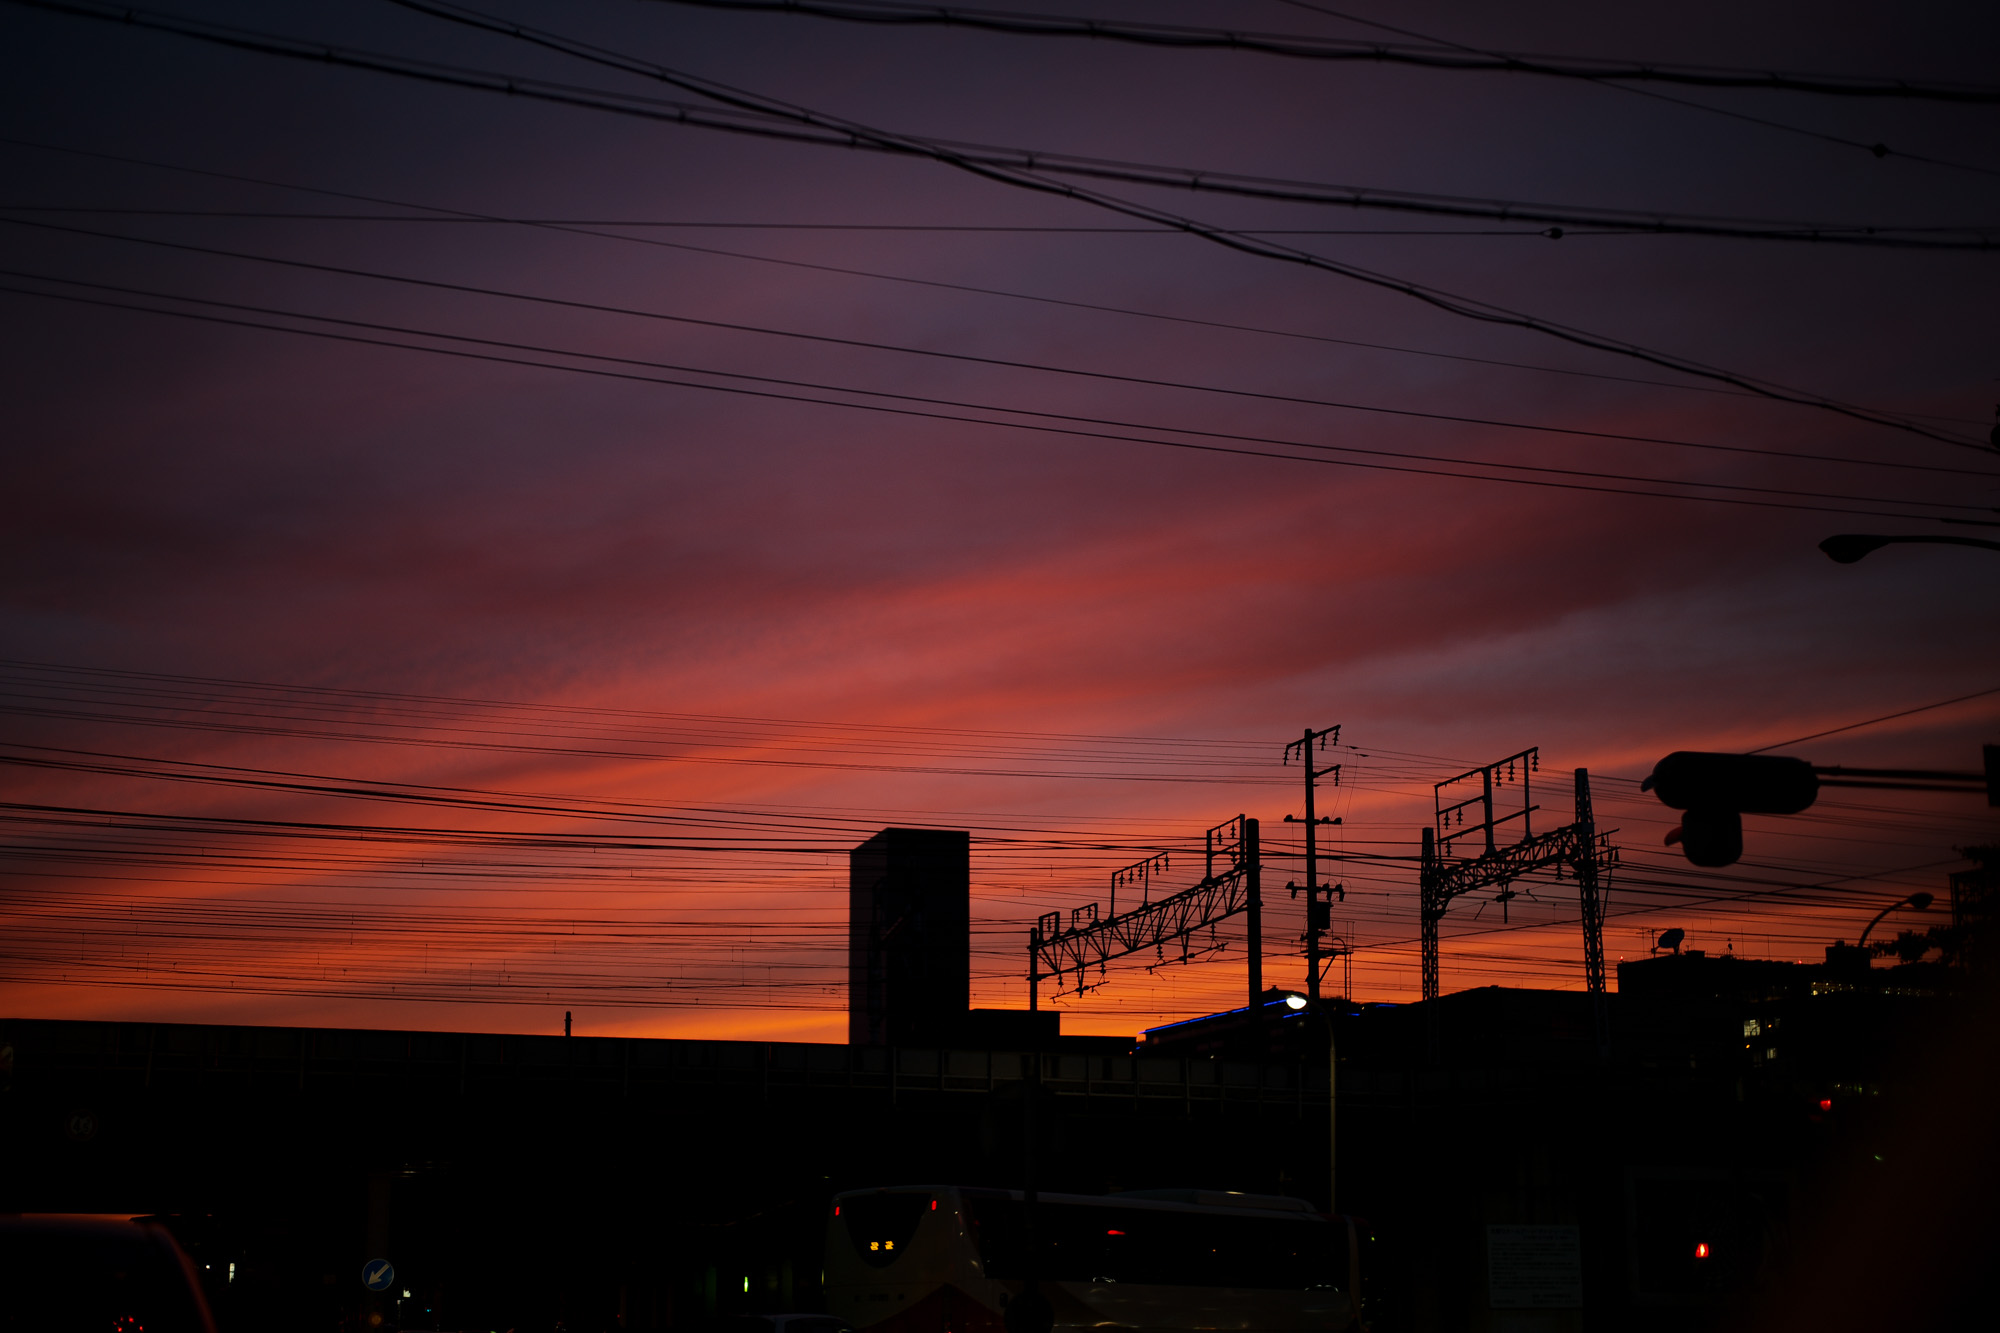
{"x": 909, "y": 959}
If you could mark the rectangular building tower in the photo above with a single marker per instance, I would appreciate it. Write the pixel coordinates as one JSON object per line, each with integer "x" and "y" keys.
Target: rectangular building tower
{"x": 909, "y": 929}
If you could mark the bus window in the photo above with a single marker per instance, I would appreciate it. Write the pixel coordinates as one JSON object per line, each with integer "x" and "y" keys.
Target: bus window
{"x": 880, "y": 1224}
{"x": 1160, "y": 1247}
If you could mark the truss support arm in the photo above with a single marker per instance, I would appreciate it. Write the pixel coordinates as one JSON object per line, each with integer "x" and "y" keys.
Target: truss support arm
{"x": 1233, "y": 886}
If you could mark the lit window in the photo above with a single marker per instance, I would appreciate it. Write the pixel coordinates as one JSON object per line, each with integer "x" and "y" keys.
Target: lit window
{"x": 874, "y": 1244}
{"x": 888, "y": 1244}
{"x": 1752, "y": 1028}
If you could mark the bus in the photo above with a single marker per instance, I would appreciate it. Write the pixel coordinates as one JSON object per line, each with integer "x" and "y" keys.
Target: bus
{"x": 949, "y": 1259}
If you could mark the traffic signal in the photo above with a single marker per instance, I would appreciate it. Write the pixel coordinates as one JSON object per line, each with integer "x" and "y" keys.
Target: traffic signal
{"x": 1716, "y": 790}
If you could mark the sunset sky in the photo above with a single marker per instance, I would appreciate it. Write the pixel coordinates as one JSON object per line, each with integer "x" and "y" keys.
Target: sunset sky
{"x": 469, "y": 557}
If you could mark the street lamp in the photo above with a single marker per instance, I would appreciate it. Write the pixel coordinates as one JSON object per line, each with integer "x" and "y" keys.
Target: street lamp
{"x": 1847, "y": 547}
{"x": 1919, "y": 900}
{"x": 1298, "y": 1003}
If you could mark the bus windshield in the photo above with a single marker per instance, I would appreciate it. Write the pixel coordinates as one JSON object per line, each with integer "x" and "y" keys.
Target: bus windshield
{"x": 1160, "y": 1246}
{"x": 881, "y": 1223}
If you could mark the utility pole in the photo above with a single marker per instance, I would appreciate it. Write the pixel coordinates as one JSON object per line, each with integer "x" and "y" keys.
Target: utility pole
{"x": 1319, "y": 916}
{"x": 1034, "y": 968}
{"x": 1253, "y": 893}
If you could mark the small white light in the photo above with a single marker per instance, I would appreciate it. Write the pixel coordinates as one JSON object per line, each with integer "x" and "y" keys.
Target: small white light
{"x": 1295, "y": 1002}
{"x": 232, "y": 1272}
{"x": 406, "y": 1293}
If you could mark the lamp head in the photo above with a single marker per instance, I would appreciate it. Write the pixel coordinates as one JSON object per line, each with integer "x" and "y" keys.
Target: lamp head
{"x": 1848, "y": 547}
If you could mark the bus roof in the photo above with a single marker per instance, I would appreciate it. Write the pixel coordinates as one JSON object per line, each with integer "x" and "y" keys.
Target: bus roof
{"x": 1175, "y": 1200}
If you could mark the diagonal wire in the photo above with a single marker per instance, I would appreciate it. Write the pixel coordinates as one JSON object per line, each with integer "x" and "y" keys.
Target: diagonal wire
{"x": 579, "y": 229}
{"x": 1612, "y": 81}
{"x": 1433, "y": 54}
{"x": 1448, "y": 302}
{"x": 613, "y": 369}
{"x": 936, "y": 353}
{"x": 1886, "y": 717}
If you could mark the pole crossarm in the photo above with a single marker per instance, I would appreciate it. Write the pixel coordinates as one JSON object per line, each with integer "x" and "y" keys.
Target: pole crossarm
{"x": 1140, "y": 873}
{"x": 1491, "y": 777}
{"x": 1089, "y": 941}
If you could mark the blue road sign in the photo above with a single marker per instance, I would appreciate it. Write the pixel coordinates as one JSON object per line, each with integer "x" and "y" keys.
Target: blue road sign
{"x": 378, "y": 1274}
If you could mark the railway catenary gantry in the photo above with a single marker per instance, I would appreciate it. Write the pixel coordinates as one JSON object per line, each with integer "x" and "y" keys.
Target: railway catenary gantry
{"x": 1231, "y": 885}
{"x": 1577, "y": 847}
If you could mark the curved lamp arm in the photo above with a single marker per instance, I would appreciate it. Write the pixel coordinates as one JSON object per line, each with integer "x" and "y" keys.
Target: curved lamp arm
{"x": 1919, "y": 900}
{"x": 1847, "y": 547}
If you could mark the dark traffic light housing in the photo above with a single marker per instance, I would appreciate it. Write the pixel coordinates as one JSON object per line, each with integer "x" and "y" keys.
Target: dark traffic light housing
{"x": 1749, "y": 784}
{"x": 1716, "y": 790}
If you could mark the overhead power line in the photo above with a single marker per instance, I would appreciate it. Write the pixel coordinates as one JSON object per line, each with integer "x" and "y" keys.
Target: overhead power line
{"x": 350, "y": 696}
{"x": 1441, "y": 56}
{"x": 1886, "y": 717}
{"x": 831, "y": 131}
{"x": 75, "y": 695}
{"x": 661, "y": 224}
{"x": 782, "y": 122}
{"x": 444, "y": 213}
{"x": 203, "y": 691}
{"x": 927, "y": 352}
{"x": 374, "y": 929}
{"x": 1875, "y": 148}
{"x": 1085, "y": 427}
{"x": 1024, "y": 176}
{"x": 1124, "y": 767}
